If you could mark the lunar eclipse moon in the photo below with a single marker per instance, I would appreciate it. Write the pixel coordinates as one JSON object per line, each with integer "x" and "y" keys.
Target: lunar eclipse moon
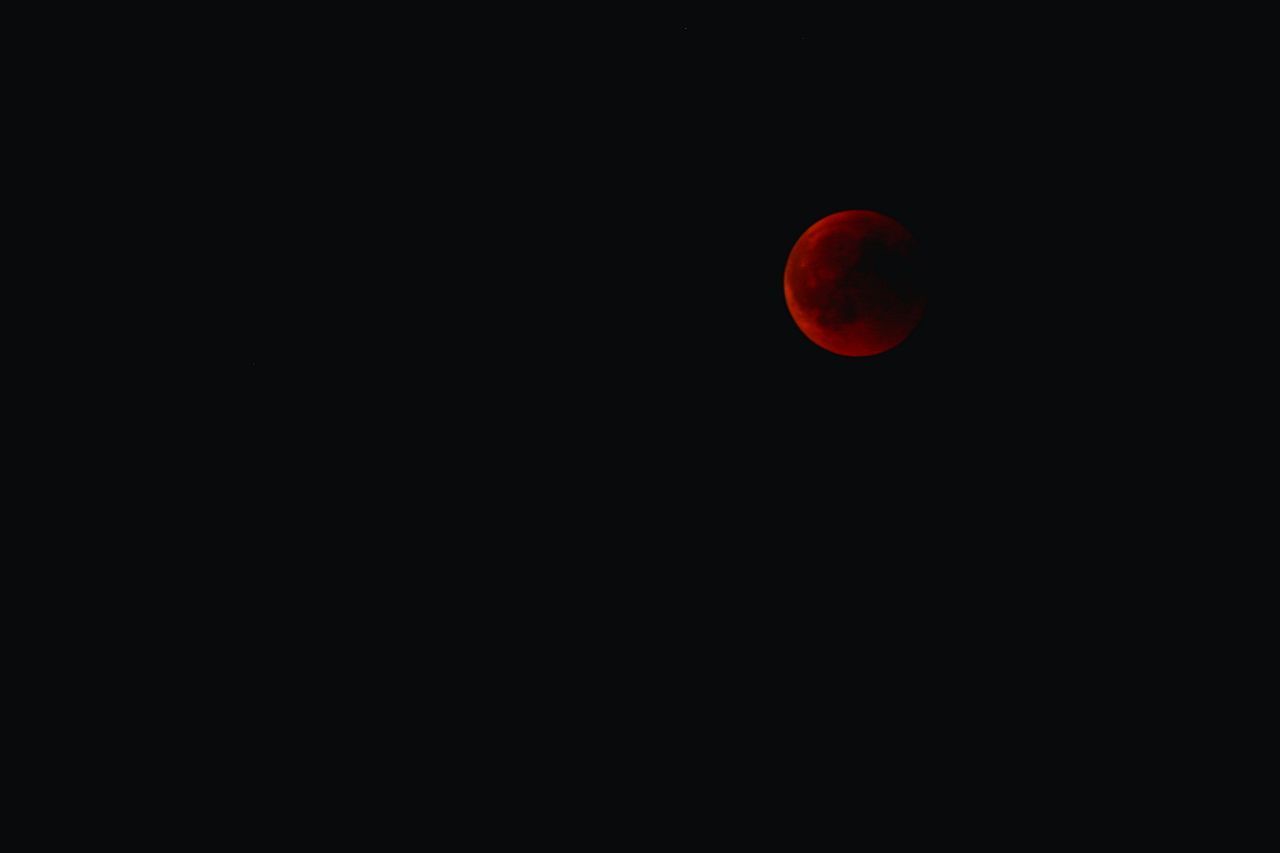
{"x": 852, "y": 283}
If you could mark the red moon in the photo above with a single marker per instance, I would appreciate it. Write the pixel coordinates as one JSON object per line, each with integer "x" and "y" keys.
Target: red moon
{"x": 852, "y": 285}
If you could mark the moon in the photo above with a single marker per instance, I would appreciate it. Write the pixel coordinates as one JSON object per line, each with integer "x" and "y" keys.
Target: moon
{"x": 852, "y": 283}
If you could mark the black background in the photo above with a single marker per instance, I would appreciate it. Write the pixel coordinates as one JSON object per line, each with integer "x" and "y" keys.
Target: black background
{"x": 535, "y": 466}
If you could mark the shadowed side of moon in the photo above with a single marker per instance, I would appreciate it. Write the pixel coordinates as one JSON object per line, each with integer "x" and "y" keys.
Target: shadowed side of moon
{"x": 852, "y": 283}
